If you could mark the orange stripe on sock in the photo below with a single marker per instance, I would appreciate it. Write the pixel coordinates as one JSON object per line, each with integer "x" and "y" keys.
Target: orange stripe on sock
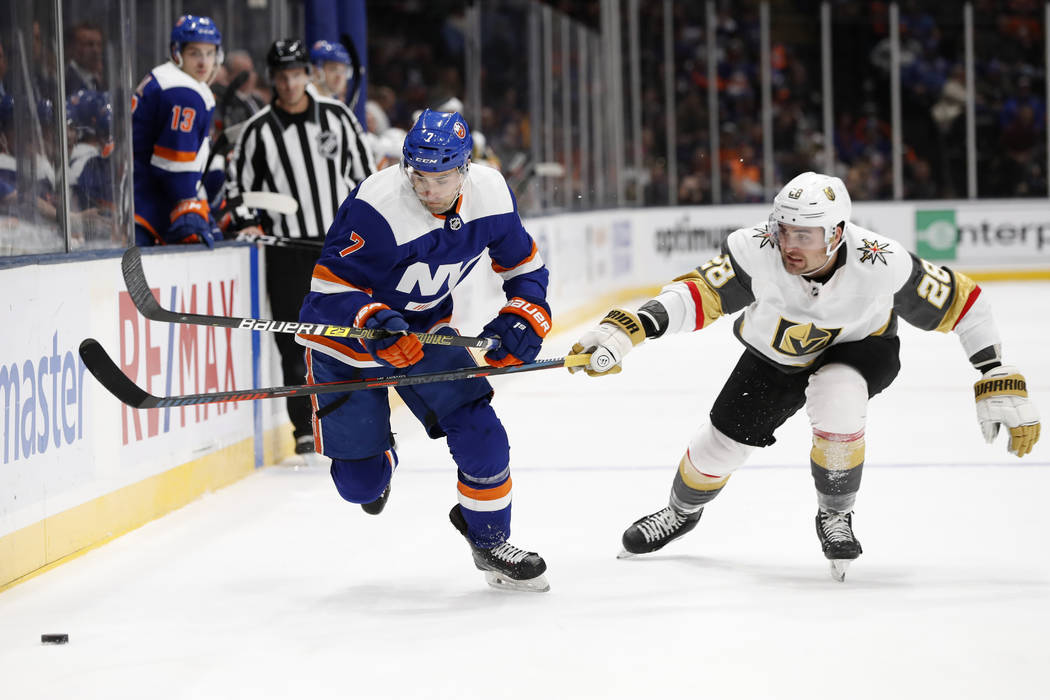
{"x": 486, "y": 494}
{"x": 318, "y": 438}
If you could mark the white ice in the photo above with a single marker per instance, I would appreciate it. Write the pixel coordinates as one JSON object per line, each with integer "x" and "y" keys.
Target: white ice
{"x": 275, "y": 588}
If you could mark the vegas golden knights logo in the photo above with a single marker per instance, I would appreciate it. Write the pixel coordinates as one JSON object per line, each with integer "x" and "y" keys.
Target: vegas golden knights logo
{"x": 830, "y": 193}
{"x": 798, "y": 339}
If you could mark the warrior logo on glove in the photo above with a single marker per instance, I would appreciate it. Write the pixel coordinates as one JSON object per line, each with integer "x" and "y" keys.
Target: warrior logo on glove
{"x": 1002, "y": 399}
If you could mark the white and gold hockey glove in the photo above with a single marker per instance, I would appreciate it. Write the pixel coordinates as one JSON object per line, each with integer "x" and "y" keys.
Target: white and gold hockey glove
{"x": 614, "y": 337}
{"x": 1002, "y": 399}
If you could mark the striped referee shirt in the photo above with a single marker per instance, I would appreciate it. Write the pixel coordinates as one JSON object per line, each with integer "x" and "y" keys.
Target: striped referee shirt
{"x": 317, "y": 156}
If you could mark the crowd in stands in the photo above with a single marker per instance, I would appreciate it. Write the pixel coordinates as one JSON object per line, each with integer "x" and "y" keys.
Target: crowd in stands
{"x": 417, "y": 61}
{"x": 417, "y": 51}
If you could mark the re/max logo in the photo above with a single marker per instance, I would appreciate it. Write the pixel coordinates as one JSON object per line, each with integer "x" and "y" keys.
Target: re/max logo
{"x": 175, "y": 358}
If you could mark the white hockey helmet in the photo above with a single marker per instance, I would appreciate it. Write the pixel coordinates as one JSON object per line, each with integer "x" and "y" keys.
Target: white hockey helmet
{"x": 812, "y": 199}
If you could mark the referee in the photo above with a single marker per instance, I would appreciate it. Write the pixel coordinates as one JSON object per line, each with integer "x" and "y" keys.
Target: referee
{"x": 313, "y": 149}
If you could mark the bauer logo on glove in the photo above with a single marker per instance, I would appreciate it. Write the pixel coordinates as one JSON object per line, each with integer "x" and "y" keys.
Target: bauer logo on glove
{"x": 521, "y": 326}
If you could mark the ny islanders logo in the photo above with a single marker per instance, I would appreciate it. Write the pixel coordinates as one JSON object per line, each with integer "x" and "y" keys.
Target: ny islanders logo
{"x": 797, "y": 339}
{"x": 459, "y": 130}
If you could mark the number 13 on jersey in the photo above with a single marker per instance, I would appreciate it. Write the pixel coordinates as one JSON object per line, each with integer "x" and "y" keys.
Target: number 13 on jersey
{"x": 182, "y": 118}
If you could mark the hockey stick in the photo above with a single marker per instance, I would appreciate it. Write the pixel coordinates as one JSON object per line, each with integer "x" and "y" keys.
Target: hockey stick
{"x": 353, "y": 91}
{"x": 228, "y": 133}
{"x": 146, "y": 303}
{"x": 120, "y": 385}
{"x": 271, "y": 201}
{"x": 315, "y": 244}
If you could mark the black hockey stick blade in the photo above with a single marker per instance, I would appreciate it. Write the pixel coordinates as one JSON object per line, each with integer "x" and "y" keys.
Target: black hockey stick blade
{"x": 353, "y": 92}
{"x": 98, "y": 361}
{"x": 146, "y": 303}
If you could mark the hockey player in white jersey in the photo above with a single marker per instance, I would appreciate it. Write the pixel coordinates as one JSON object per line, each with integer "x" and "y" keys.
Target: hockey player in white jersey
{"x": 820, "y": 299}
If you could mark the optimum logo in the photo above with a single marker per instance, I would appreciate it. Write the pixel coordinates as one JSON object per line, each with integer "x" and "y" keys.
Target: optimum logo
{"x": 683, "y": 238}
{"x": 936, "y": 234}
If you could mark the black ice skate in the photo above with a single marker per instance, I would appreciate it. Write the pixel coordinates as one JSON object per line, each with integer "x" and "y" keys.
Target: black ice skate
{"x": 305, "y": 455}
{"x": 652, "y": 532}
{"x": 835, "y": 531}
{"x": 505, "y": 565}
{"x": 376, "y": 507}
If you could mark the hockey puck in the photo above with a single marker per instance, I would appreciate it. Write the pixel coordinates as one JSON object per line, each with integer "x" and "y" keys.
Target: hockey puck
{"x": 54, "y": 639}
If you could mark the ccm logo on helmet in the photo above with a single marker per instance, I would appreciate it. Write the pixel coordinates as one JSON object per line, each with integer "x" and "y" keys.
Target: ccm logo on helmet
{"x": 426, "y": 160}
{"x": 458, "y": 129}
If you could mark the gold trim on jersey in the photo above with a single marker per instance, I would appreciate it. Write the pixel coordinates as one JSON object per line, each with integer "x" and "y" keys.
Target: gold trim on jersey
{"x": 799, "y": 339}
{"x": 885, "y": 326}
{"x": 710, "y": 301}
{"x": 837, "y": 456}
{"x": 964, "y": 287}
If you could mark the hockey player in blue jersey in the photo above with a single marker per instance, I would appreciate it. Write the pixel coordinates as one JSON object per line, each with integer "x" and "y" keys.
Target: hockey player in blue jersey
{"x": 331, "y": 69}
{"x": 89, "y": 115}
{"x": 171, "y": 115}
{"x": 400, "y": 243}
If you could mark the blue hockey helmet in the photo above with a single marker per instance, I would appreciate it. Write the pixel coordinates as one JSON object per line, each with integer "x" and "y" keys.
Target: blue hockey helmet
{"x": 90, "y": 112}
{"x": 191, "y": 29}
{"x": 439, "y": 141}
{"x": 45, "y": 111}
{"x": 323, "y": 51}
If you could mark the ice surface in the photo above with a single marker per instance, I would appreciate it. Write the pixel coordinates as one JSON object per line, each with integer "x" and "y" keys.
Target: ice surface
{"x": 275, "y": 588}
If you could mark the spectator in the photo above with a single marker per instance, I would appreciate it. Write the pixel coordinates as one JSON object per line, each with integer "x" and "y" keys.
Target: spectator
{"x": 89, "y": 115}
{"x": 84, "y": 70}
{"x": 32, "y": 156}
{"x": 241, "y": 105}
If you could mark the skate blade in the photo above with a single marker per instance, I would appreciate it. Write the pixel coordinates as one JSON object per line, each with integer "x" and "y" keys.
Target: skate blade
{"x": 838, "y": 568}
{"x": 531, "y": 585}
{"x": 624, "y": 554}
